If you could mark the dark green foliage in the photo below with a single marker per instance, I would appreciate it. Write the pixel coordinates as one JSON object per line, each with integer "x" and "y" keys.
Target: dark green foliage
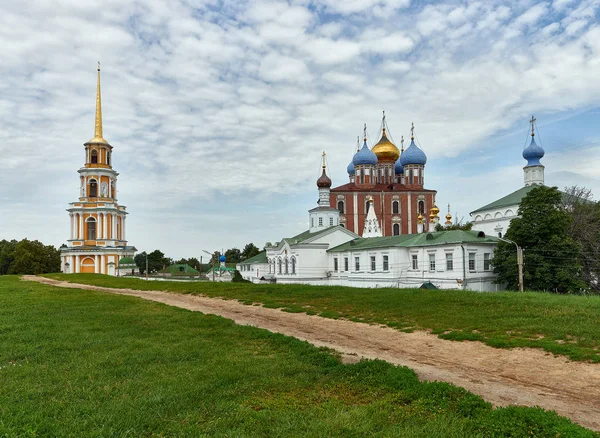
{"x": 233, "y": 255}
{"x": 249, "y": 251}
{"x": 561, "y": 324}
{"x": 83, "y": 363}
{"x": 455, "y": 226}
{"x": 28, "y": 257}
{"x": 551, "y": 257}
{"x": 156, "y": 261}
{"x": 237, "y": 278}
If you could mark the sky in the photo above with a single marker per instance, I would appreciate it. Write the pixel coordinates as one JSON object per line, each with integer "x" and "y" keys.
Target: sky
{"x": 218, "y": 111}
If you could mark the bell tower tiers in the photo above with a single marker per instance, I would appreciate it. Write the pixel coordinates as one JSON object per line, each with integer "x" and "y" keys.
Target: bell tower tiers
{"x": 98, "y": 240}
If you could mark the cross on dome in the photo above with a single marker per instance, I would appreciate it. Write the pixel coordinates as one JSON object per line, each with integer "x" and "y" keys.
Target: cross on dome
{"x": 532, "y": 121}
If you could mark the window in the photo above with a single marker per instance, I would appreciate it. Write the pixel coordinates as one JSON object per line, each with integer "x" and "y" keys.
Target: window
{"x": 372, "y": 263}
{"x": 335, "y": 264}
{"x": 472, "y": 261}
{"x": 367, "y": 206}
{"x": 91, "y": 229}
{"x": 432, "y": 262}
{"x": 396, "y": 229}
{"x": 341, "y": 207}
{"x": 93, "y": 188}
{"x": 486, "y": 261}
{"x": 312, "y": 222}
{"x": 395, "y": 207}
{"x": 421, "y": 207}
{"x": 280, "y": 264}
{"x": 449, "y": 262}
{"x": 357, "y": 263}
{"x": 331, "y": 222}
{"x": 415, "y": 262}
{"x": 499, "y": 234}
{"x": 94, "y": 156}
{"x": 386, "y": 263}
{"x": 320, "y": 221}
{"x": 293, "y": 265}
{"x": 286, "y": 266}
{"x": 346, "y": 264}
{"x": 108, "y": 158}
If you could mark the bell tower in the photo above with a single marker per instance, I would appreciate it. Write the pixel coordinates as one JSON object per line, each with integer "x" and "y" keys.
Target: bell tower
{"x": 98, "y": 240}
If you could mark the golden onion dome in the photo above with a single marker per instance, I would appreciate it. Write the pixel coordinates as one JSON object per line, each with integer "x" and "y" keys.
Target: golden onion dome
{"x": 431, "y": 216}
{"x": 435, "y": 210}
{"x": 420, "y": 218}
{"x": 385, "y": 149}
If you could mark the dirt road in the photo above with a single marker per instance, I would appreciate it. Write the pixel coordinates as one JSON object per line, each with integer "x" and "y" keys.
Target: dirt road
{"x": 520, "y": 376}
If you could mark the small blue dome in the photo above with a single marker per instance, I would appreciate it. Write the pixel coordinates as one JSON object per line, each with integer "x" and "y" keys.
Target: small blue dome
{"x": 533, "y": 153}
{"x": 365, "y": 156}
{"x": 222, "y": 258}
{"x": 413, "y": 155}
{"x": 350, "y": 168}
{"x": 398, "y": 168}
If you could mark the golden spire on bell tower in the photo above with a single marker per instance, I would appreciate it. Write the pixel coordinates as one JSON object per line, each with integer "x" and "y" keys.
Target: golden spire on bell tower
{"x": 98, "y": 125}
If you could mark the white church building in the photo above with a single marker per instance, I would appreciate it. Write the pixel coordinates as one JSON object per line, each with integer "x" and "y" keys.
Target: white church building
{"x": 329, "y": 254}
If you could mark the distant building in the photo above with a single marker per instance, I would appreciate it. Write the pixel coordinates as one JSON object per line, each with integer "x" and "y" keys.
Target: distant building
{"x": 494, "y": 218}
{"x": 255, "y": 268}
{"x": 98, "y": 239}
{"x": 127, "y": 266}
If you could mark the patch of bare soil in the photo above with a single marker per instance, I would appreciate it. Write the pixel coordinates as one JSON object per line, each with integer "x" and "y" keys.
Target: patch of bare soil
{"x": 520, "y": 376}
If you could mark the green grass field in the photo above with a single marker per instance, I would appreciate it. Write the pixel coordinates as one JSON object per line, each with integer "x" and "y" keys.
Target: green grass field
{"x": 82, "y": 363}
{"x": 560, "y": 324}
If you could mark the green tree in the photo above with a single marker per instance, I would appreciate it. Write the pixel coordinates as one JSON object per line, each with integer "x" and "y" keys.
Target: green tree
{"x": 551, "y": 258}
{"x": 233, "y": 255}
{"x": 7, "y": 255}
{"x": 250, "y": 250}
{"x": 28, "y": 257}
{"x": 140, "y": 262}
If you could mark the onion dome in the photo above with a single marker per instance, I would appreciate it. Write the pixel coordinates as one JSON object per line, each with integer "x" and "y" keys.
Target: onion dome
{"x": 365, "y": 156}
{"x": 448, "y": 217}
{"x": 222, "y": 258}
{"x": 324, "y": 180}
{"x": 350, "y": 169}
{"x": 420, "y": 218}
{"x": 435, "y": 210}
{"x": 533, "y": 152}
{"x": 413, "y": 155}
{"x": 385, "y": 149}
{"x": 398, "y": 169}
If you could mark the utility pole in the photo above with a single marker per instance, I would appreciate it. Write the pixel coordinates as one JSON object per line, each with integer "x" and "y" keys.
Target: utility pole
{"x": 212, "y": 258}
{"x": 146, "y": 266}
{"x": 519, "y": 261}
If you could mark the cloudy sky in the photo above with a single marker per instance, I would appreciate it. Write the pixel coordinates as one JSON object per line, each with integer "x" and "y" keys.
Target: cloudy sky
{"x": 218, "y": 111}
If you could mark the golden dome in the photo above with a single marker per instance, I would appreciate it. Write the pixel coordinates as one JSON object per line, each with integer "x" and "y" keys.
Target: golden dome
{"x": 435, "y": 210}
{"x": 385, "y": 149}
{"x": 420, "y": 218}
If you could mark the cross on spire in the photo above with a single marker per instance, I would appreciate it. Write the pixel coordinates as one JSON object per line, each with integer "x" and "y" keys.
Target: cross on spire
{"x": 412, "y": 131}
{"x": 365, "y": 132}
{"x": 532, "y": 121}
{"x": 357, "y": 143}
{"x": 402, "y": 143}
{"x": 323, "y": 155}
{"x": 383, "y": 122}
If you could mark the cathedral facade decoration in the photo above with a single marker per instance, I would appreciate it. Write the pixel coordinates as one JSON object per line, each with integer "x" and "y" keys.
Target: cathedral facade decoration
{"x": 98, "y": 238}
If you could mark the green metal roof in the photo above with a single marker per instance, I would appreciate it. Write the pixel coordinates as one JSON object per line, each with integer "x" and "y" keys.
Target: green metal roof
{"x": 412, "y": 240}
{"x": 307, "y": 235}
{"x": 513, "y": 199}
{"x": 126, "y": 261}
{"x": 261, "y": 257}
{"x": 180, "y": 268}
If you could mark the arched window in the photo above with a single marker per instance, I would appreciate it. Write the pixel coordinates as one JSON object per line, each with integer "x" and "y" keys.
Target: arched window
{"x": 421, "y": 207}
{"x": 93, "y": 188}
{"x": 286, "y": 266}
{"x": 396, "y": 229}
{"x": 500, "y": 235}
{"x": 395, "y": 207}
{"x": 279, "y": 263}
{"x": 341, "y": 207}
{"x": 94, "y": 156}
{"x": 410, "y": 176}
{"x": 108, "y": 158}
{"x": 367, "y": 206}
{"x": 293, "y": 265}
{"x": 91, "y": 228}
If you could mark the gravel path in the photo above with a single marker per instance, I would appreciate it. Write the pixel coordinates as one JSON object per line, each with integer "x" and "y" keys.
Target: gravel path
{"x": 520, "y": 376}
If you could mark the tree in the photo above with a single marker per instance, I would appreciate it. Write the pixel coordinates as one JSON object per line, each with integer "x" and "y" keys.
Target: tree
{"x": 233, "y": 255}
{"x": 250, "y": 250}
{"x": 585, "y": 230}
{"x": 28, "y": 257}
{"x": 455, "y": 226}
{"x": 140, "y": 262}
{"x": 551, "y": 257}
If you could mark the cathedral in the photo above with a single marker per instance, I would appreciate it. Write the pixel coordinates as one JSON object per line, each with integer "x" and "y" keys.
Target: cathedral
{"x": 391, "y": 182}
{"x": 98, "y": 240}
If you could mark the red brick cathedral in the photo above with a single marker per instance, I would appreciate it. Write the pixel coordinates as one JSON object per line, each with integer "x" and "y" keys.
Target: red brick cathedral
{"x": 390, "y": 180}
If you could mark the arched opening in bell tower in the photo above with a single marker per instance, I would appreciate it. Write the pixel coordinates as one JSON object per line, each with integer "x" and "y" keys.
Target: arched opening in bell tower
{"x": 94, "y": 156}
{"x": 93, "y": 188}
{"x": 91, "y": 228}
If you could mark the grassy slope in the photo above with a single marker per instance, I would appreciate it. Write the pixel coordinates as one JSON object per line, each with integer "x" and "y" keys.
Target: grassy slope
{"x": 80, "y": 363}
{"x": 561, "y": 324}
